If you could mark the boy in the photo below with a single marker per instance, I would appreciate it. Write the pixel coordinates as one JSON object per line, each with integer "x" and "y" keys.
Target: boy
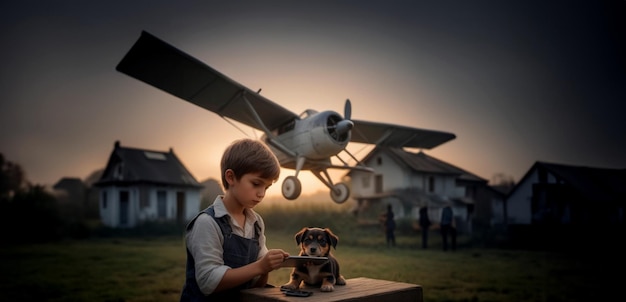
{"x": 225, "y": 243}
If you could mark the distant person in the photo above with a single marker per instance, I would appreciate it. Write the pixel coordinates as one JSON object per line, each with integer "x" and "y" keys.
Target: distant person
{"x": 225, "y": 243}
{"x": 448, "y": 228}
{"x": 390, "y": 226}
{"x": 424, "y": 223}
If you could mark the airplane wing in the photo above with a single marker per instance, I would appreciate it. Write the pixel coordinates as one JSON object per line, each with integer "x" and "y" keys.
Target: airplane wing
{"x": 163, "y": 66}
{"x": 397, "y": 136}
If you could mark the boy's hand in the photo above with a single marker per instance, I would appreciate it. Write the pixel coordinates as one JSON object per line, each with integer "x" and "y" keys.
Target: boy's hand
{"x": 273, "y": 259}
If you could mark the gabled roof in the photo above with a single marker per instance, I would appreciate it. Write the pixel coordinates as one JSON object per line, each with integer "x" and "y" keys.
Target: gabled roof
{"x": 131, "y": 166}
{"x": 421, "y": 162}
{"x": 593, "y": 183}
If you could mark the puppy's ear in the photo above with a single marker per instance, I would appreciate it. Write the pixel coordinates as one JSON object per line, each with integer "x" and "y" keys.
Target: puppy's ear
{"x": 300, "y": 235}
{"x": 332, "y": 238}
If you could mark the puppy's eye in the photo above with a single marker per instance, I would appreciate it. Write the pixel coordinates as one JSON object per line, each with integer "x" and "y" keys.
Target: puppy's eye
{"x": 322, "y": 242}
{"x": 308, "y": 240}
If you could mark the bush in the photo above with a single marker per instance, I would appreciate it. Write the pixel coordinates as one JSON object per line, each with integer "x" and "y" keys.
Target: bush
{"x": 31, "y": 216}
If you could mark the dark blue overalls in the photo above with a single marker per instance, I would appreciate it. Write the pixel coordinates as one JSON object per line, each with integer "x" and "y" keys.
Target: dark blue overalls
{"x": 238, "y": 251}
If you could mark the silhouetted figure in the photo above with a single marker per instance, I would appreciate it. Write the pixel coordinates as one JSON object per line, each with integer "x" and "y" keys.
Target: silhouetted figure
{"x": 447, "y": 228}
{"x": 424, "y": 225}
{"x": 390, "y": 227}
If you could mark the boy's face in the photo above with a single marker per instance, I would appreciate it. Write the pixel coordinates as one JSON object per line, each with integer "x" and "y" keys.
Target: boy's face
{"x": 250, "y": 189}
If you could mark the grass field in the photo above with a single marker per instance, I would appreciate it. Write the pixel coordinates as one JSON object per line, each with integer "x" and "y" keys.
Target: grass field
{"x": 152, "y": 268}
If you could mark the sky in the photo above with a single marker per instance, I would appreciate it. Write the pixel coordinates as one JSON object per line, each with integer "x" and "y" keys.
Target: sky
{"x": 516, "y": 81}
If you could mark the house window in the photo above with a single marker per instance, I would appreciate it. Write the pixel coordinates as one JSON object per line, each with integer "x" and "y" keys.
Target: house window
{"x": 367, "y": 179}
{"x": 154, "y": 155}
{"x": 118, "y": 171}
{"x": 470, "y": 191}
{"x": 180, "y": 206}
{"x": 431, "y": 184}
{"x": 379, "y": 161}
{"x": 161, "y": 204}
{"x": 124, "y": 200}
{"x": 144, "y": 197}
{"x": 379, "y": 183}
{"x": 104, "y": 199}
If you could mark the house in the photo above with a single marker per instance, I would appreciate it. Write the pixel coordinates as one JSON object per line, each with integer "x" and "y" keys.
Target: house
{"x": 70, "y": 190}
{"x": 143, "y": 185}
{"x": 556, "y": 194}
{"x": 72, "y": 194}
{"x": 409, "y": 181}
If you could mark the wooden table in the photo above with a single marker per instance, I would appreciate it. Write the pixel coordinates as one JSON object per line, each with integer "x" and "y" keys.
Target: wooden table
{"x": 357, "y": 289}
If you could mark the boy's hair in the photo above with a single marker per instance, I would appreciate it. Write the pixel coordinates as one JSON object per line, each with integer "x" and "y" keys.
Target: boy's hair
{"x": 245, "y": 156}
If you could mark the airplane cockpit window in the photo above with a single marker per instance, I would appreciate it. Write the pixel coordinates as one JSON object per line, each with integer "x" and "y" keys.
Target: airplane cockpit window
{"x": 287, "y": 127}
{"x": 307, "y": 113}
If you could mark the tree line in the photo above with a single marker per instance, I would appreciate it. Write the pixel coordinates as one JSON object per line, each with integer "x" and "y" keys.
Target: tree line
{"x": 30, "y": 213}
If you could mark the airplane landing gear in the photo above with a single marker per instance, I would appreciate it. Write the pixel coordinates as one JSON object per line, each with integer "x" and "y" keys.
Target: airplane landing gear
{"x": 340, "y": 193}
{"x": 291, "y": 187}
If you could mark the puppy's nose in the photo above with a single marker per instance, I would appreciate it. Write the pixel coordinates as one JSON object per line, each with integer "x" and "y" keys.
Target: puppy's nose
{"x": 313, "y": 250}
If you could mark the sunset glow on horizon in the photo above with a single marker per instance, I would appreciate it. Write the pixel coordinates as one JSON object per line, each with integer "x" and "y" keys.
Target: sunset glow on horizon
{"x": 512, "y": 91}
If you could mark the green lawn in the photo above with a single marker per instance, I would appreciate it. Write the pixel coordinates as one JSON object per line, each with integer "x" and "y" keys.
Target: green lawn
{"x": 136, "y": 269}
{"x": 138, "y": 265}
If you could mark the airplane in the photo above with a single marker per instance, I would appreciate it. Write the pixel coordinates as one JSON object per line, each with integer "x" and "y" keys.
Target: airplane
{"x": 301, "y": 142}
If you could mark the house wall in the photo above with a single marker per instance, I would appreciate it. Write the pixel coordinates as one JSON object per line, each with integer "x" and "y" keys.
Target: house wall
{"x": 147, "y": 210}
{"x": 111, "y": 207}
{"x": 192, "y": 204}
{"x": 519, "y": 203}
{"x": 444, "y": 185}
{"x": 393, "y": 175}
{"x": 362, "y": 183}
{"x": 418, "y": 181}
{"x": 190, "y": 208}
{"x": 105, "y": 206}
{"x": 150, "y": 211}
{"x": 398, "y": 177}
{"x": 448, "y": 187}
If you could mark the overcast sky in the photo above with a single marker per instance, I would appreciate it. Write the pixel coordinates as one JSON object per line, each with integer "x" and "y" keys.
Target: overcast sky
{"x": 516, "y": 81}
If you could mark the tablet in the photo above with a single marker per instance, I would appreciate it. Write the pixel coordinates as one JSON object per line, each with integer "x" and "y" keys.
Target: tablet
{"x": 300, "y": 260}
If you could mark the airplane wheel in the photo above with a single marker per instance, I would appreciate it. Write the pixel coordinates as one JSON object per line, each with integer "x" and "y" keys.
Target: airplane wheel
{"x": 340, "y": 193}
{"x": 291, "y": 187}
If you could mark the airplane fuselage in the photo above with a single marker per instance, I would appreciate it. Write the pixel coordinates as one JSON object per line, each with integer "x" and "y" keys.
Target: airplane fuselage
{"x": 314, "y": 136}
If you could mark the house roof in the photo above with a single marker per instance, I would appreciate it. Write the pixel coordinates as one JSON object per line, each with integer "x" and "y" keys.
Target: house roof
{"x": 421, "y": 162}
{"x": 68, "y": 182}
{"x": 131, "y": 165}
{"x": 593, "y": 183}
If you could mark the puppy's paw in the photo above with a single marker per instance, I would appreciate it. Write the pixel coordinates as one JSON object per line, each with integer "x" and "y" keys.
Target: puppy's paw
{"x": 289, "y": 286}
{"x": 341, "y": 281}
{"x": 327, "y": 288}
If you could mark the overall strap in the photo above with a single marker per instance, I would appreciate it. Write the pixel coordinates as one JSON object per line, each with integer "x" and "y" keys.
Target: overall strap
{"x": 224, "y": 225}
{"x": 222, "y": 222}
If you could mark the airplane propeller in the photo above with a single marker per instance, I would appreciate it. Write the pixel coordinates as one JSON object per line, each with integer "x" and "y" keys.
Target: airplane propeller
{"x": 339, "y": 128}
{"x": 347, "y": 110}
{"x": 346, "y": 124}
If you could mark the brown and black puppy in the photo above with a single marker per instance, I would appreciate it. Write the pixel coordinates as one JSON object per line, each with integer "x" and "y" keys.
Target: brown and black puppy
{"x": 316, "y": 242}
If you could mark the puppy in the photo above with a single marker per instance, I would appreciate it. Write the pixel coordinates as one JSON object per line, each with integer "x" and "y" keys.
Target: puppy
{"x": 316, "y": 242}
